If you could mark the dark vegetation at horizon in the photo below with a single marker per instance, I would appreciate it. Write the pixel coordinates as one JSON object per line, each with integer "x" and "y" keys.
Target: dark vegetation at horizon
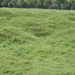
{"x": 45, "y": 4}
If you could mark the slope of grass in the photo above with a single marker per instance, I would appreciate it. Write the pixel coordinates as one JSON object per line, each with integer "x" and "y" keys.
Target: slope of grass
{"x": 37, "y": 42}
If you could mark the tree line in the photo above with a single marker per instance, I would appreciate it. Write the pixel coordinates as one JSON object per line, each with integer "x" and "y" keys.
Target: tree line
{"x": 45, "y": 4}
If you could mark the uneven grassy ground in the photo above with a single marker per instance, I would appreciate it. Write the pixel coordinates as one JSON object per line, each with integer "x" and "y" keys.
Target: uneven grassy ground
{"x": 37, "y": 42}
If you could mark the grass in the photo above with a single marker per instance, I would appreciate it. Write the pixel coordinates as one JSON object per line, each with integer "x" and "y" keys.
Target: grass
{"x": 37, "y": 42}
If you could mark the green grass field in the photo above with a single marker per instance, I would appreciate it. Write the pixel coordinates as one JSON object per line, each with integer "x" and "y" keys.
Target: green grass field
{"x": 37, "y": 42}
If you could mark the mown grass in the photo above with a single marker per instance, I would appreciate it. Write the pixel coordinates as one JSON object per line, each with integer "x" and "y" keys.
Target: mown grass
{"x": 37, "y": 42}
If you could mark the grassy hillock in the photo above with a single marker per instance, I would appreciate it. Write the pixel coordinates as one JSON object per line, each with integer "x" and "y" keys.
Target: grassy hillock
{"x": 37, "y": 42}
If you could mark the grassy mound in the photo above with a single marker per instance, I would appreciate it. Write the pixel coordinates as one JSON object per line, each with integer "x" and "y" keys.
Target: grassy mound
{"x": 14, "y": 35}
{"x": 37, "y": 42}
